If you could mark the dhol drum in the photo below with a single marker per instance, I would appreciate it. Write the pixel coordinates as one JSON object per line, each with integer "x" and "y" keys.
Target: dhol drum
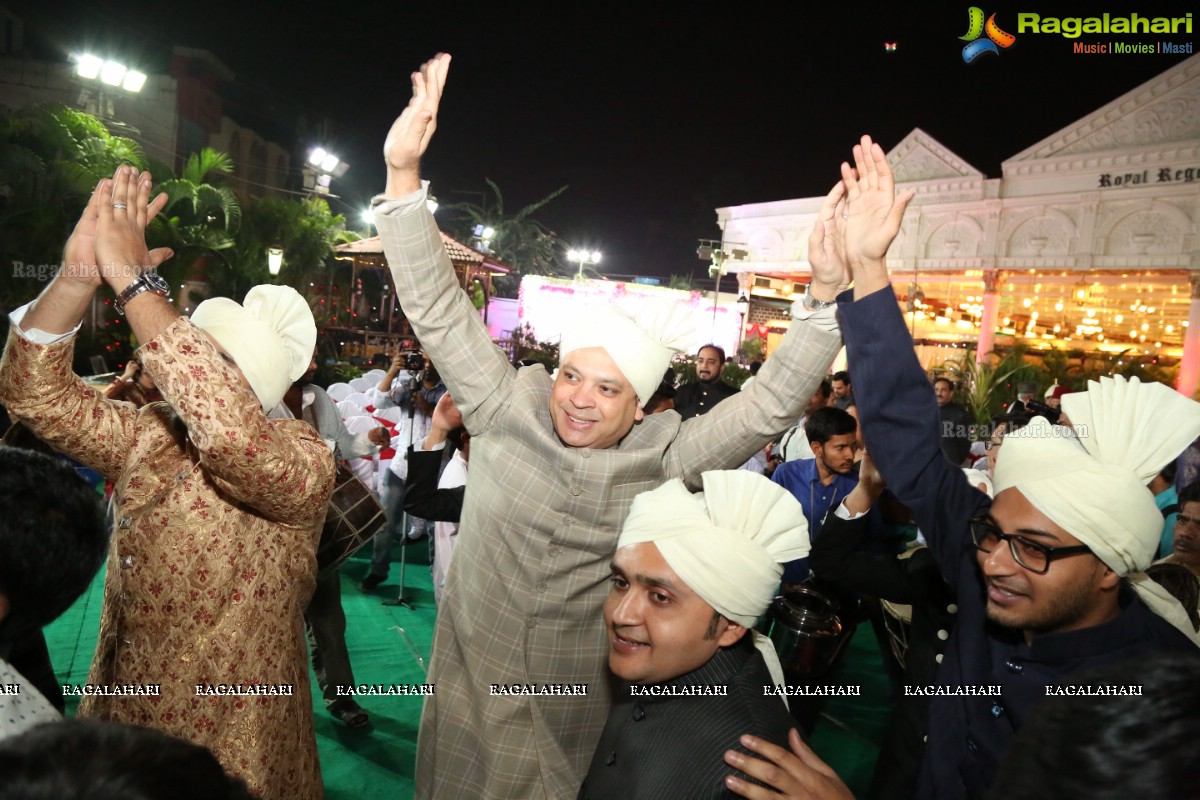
{"x": 897, "y": 620}
{"x": 352, "y": 519}
{"x": 806, "y": 631}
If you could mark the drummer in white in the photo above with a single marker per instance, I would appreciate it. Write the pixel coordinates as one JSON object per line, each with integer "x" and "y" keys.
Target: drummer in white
{"x": 325, "y": 621}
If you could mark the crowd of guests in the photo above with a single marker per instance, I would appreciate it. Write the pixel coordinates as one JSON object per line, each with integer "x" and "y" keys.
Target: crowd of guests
{"x": 615, "y": 546}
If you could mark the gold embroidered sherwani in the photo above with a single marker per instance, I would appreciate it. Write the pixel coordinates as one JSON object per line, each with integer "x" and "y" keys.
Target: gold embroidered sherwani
{"x": 524, "y": 594}
{"x": 212, "y": 559}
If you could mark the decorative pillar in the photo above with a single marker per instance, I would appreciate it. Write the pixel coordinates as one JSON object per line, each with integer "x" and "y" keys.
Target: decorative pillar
{"x": 991, "y": 312}
{"x": 1189, "y": 367}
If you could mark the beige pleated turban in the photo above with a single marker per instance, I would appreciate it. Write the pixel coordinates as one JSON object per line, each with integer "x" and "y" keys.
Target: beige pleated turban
{"x": 640, "y": 342}
{"x": 728, "y": 543}
{"x": 271, "y": 336}
{"x": 1094, "y": 485}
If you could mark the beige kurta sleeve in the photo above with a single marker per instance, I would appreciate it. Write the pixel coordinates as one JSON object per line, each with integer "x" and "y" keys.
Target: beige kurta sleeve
{"x": 38, "y": 388}
{"x": 729, "y": 434}
{"x": 450, "y": 329}
{"x": 281, "y": 468}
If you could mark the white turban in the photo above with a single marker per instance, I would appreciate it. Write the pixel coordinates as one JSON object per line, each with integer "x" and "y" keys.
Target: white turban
{"x": 1094, "y": 486}
{"x": 728, "y": 544}
{"x": 270, "y": 336}
{"x": 641, "y": 344}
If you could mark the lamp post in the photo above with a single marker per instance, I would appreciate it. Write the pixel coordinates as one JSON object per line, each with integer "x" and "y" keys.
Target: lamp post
{"x": 743, "y": 306}
{"x": 274, "y": 260}
{"x": 713, "y": 251}
{"x": 583, "y": 257}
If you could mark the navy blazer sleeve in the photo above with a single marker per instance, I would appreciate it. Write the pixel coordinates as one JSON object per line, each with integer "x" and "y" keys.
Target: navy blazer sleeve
{"x": 900, "y": 423}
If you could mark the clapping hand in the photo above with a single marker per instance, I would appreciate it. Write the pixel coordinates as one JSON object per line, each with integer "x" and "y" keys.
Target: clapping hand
{"x": 123, "y": 210}
{"x": 410, "y": 134}
{"x": 80, "y": 262}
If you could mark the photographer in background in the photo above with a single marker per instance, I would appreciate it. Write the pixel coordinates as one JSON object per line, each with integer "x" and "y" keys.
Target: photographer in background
{"x": 134, "y": 385}
{"x": 412, "y": 383}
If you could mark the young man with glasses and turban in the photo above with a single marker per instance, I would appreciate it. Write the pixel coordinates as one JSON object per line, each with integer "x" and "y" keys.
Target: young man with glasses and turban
{"x": 1049, "y": 575}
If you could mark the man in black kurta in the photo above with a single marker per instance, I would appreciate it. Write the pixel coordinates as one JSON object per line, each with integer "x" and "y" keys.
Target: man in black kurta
{"x": 690, "y": 576}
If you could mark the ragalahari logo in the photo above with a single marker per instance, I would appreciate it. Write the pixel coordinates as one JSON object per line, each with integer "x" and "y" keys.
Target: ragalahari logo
{"x": 976, "y": 28}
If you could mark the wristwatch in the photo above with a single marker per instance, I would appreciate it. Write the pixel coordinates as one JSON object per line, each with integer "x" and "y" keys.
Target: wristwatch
{"x": 812, "y": 303}
{"x": 148, "y": 281}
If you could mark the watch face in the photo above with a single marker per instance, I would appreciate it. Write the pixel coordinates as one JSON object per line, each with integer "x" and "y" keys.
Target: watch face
{"x": 156, "y": 282}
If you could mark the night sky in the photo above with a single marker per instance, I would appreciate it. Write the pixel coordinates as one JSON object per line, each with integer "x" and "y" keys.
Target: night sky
{"x": 653, "y": 113}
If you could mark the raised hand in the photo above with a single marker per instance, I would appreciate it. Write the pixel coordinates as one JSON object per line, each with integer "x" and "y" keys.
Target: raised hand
{"x": 826, "y": 247}
{"x": 446, "y": 415}
{"x": 797, "y": 774}
{"x": 410, "y": 134}
{"x": 871, "y": 215}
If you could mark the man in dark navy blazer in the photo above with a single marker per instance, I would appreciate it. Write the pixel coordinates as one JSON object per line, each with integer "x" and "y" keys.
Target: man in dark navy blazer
{"x": 1035, "y": 604}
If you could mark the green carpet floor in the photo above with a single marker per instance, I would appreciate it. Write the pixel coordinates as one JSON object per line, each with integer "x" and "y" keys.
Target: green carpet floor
{"x": 377, "y": 761}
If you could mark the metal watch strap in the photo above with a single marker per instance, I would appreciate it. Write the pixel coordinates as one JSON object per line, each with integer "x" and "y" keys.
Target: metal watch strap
{"x": 146, "y": 282}
{"x": 812, "y": 303}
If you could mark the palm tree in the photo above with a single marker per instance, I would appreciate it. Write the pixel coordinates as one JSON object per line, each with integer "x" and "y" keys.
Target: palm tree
{"x": 50, "y": 161}
{"x": 519, "y": 240}
{"x": 199, "y": 222}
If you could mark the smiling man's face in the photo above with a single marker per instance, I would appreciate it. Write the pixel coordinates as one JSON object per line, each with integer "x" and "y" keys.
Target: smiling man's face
{"x": 658, "y": 628}
{"x": 1077, "y": 591}
{"x": 591, "y": 402}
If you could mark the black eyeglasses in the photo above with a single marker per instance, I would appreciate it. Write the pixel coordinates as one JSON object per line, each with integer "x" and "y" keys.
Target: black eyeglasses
{"x": 1031, "y": 555}
{"x": 990, "y": 443}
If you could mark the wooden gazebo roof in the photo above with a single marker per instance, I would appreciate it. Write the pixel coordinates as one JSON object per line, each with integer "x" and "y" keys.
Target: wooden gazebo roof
{"x": 468, "y": 262}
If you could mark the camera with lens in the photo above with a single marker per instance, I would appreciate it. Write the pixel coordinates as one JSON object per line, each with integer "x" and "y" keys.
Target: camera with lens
{"x": 414, "y": 362}
{"x": 1037, "y": 409}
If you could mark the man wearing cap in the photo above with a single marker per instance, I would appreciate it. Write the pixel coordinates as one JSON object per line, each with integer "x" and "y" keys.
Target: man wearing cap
{"x": 691, "y": 575}
{"x": 1054, "y": 395}
{"x": 1049, "y": 576}
{"x": 555, "y": 465}
{"x": 218, "y": 508}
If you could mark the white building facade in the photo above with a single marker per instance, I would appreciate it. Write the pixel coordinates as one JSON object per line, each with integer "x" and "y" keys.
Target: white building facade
{"x": 1089, "y": 241}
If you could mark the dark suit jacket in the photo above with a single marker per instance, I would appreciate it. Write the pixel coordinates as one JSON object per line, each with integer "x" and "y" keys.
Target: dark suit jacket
{"x": 699, "y": 397}
{"x": 837, "y": 558}
{"x": 671, "y": 748}
{"x": 422, "y": 498}
{"x": 968, "y": 735}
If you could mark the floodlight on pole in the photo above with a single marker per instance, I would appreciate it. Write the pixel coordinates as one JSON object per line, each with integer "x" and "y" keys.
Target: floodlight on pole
{"x": 583, "y": 257}
{"x": 89, "y": 67}
{"x": 321, "y": 167}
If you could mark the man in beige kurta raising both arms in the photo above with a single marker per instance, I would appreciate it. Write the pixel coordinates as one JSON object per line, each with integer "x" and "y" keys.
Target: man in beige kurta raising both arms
{"x": 555, "y": 465}
{"x": 218, "y": 509}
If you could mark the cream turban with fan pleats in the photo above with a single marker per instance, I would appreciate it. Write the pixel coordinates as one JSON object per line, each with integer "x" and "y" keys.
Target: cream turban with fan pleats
{"x": 1093, "y": 485}
{"x": 728, "y": 543}
{"x": 640, "y": 342}
{"x": 270, "y": 336}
